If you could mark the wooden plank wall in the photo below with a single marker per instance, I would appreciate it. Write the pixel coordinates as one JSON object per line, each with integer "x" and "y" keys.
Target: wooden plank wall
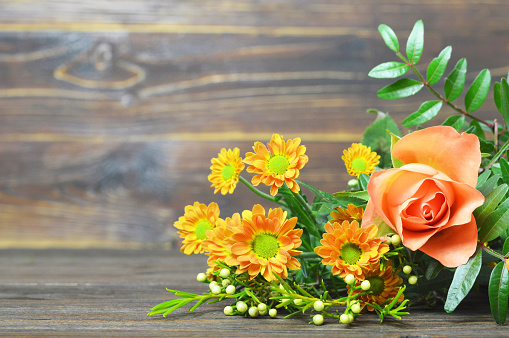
{"x": 110, "y": 111}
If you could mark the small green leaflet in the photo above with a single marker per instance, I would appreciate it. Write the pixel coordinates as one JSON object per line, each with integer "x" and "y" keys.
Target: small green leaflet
{"x": 389, "y": 70}
{"x": 498, "y": 289}
{"x": 496, "y": 223}
{"x": 427, "y": 111}
{"x": 504, "y": 100}
{"x": 490, "y": 203}
{"x": 396, "y": 163}
{"x": 437, "y": 67}
{"x": 478, "y": 91}
{"x": 455, "y": 82}
{"x": 463, "y": 280}
{"x": 389, "y": 37}
{"x": 415, "y": 43}
{"x": 455, "y": 121}
{"x": 399, "y": 89}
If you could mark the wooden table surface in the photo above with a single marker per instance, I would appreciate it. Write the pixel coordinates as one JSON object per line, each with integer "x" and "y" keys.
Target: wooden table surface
{"x": 109, "y": 292}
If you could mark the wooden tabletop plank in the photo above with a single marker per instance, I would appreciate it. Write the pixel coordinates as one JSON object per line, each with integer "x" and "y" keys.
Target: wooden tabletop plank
{"x": 108, "y": 293}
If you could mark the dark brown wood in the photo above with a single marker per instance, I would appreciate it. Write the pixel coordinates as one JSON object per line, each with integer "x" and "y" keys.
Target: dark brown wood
{"x": 109, "y": 292}
{"x": 110, "y": 111}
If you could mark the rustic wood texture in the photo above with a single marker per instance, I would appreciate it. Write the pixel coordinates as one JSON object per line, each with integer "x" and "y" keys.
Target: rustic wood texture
{"x": 109, "y": 292}
{"x": 110, "y": 111}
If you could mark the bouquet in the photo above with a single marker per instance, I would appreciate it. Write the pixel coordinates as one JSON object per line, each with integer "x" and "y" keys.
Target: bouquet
{"x": 426, "y": 215}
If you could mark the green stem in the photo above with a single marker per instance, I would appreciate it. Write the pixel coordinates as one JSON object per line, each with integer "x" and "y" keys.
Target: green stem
{"x": 262, "y": 194}
{"x": 493, "y": 253}
{"x": 498, "y": 154}
{"x": 306, "y": 207}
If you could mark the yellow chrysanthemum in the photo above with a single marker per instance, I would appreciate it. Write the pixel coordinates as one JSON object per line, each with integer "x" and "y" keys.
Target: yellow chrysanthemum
{"x": 384, "y": 285}
{"x": 350, "y": 213}
{"x": 193, "y": 226}
{"x": 226, "y": 169}
{"x": 266, "y": 244}
{"x": 359, "y": 159}
{"x": 218, "y": 243}
{"x": 277, "y": 163}
{"x": 349, "y": 248}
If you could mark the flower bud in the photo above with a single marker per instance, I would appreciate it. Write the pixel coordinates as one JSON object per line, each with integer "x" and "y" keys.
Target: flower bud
{"x": 241, "y": 307}
{"x": 228, "y": 310}
{"x": 318, "y": 305}
{"x": 201, "y": 277}
{"x": 225, "y": 282}
{"x": 345, "y": 319}
{"x": 297, "y": 301}
{"x": 216, "y": 289}
{"x": 356, "y": 308}
{"x": 396, "y": 240}
{"x": 262, "y": 307}
{"x": 407, "y": 269}
{"x": 253, "y": 311}
{"x": 412, "y": 280}
{"x": 318, "y": 319}
{"x": 224, "y": 273}
{"x": 273, "y": 313}
{"x": 349, "y": 279}
{"x": 230, "y": 289}
{"x": 365, "y": 285}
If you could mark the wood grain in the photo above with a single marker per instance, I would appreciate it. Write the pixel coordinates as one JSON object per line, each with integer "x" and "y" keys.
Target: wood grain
{"x": 109, "y": 292}
{"x": 111, "y": 111}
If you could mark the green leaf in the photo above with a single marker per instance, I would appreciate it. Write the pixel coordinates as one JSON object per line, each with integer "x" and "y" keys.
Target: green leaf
{"x": 463, "y": 280}
{"x": 476, "y": 94}
{"x": 399, "y": 89}
{"x": 427, "y": 111}
{"x": 437, "y": 67}
{"x": 481, "y": 180}
{"x": 505, "y": 248}
{"x": 364, "y": 180}
{"x": 504, "y": 100}
{"x": 504, "y": 168}
{"x": 389, "y": 70}
{"x": 455, "y": 82}
{"x": 396, "y": 163}
{"x": 490, "y": 203}
{"x": 498, "y": 289}
{"x": 497, "y": 96}
{"x": 476, "y": 129}
{"x": 363, "y": 195}
{"x": 376, "y": 137}
{"x": 455, "y": 121}
{"x": 488, "y": 185}
{"x": 496, "y": 223}
{"x": 415, "y": 43}
{"x": 433, "y": 269}
{"x": 389, "y": 37}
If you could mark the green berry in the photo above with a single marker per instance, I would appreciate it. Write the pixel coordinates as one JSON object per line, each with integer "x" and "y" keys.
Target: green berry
{"x": 224, "y": 273}
{"x": 412, "y": 280}
{"x": 318, "y": 319}
{"x": 201, "y": 277}
{"x": 230, "y": 289}
{"x": 396, "y": 240}
{"x": 253, "y": 311}
{"x": 365, "y": 285}
{"x": 349, "y": 279}
{"x": 225, "y": 282}
{"x": 262, "y": 307}
{"x": 356, "y": 308}
{"x": 228, "y": 310}
{"x": 318, "y": 305}
{"x": 212, "y": 284}
{"x": 216, "y": 289}
{"x": 345, "y": 319}
{"x": 241, "y": 307}
{"x": 273, "y": 313}
{"x": 407, "y": 269}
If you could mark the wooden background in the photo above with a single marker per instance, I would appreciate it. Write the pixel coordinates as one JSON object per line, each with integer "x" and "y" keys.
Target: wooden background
{"x": 110, "y": 111}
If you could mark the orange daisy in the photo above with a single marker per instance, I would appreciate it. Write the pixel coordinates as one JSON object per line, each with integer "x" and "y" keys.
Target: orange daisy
{"x": 384, "y": 285}
{"x": 350, "y": 213}
{"x": 266, "y": 244}
{"x": 193, "y": 226}
{"x": 349, "y": 248}
{"x": 226, "y": 169}
{"x": 359, "y": 159}
{"x": 218, "y": 243}
{"x": 277, "y": 163}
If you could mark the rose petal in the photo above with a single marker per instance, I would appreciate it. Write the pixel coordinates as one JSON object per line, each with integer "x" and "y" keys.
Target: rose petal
{"x": 439, "y": 150}
{"x": 453, "y": 246}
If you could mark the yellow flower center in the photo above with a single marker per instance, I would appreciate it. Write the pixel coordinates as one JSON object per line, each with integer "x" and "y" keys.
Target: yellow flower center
{"x": 278, "y": 164}
{"x": 359, "y": 164}
{"x": 201, "y": 229}
{"x": 227, "y": 172}
{"x": 265, "y": 246}
{"x": 377, "y": 285}
{"x": 350, "y": 253}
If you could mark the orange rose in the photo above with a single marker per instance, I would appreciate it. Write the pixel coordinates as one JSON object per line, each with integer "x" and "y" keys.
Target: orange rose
{"x": 430, "y": 199}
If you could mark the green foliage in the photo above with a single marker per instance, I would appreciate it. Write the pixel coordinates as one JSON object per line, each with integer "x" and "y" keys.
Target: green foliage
{"x": 389, "y": 70}
{"x": 463, "y": 280}
{"x": 415, "y": 43}
{"x": 389, "y": 37}
{"x": 455, "y": 82}
{"x": 399, "y": 89}
{"x": 478, "y": 91}
{"x": 378, "y": 137}
{"x": 437, "y": 67}
{"x": 498, "y": 289}
{"x": 427, "y": 111}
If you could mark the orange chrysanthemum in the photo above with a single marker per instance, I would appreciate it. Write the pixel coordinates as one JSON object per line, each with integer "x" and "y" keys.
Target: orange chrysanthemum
{"x": 350, "y": 248}
{"x": 350, "y": 213}
{"x": 226, "y": 169}
{"x": 197, "y": 219}
{"x": 277, "y": 163}
{"x": 384, "y": 285}
{"x": 359, "y": 159}
{"x": 218, "y": 243}
{"x": 266, "y": 244}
